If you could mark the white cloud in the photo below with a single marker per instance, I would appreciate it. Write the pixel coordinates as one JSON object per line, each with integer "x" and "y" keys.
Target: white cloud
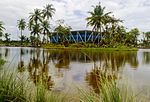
{"x": 134, "y": 13}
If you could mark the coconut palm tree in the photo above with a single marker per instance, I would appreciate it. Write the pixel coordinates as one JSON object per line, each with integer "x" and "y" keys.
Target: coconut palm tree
{"x": 6, "y": 35}
{"x": 112, "y": 29}
{"x": 45, "y": 29}
{"x": 63, "y": 32}
{"x": 36, "y": 16}
{"x": 36, "y": 31}
{"x": 34, "y": 25}
{"x": 97, "y": 17}
{"x": 21, "y": 25}
{"x": 132, "y": 37}
{"x": 48, "y": 11}
{"x": 1, "y": 29}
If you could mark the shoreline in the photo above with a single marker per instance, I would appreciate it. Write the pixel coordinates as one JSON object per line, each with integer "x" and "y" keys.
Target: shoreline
{"x": 97, "y": 49}
{"x": 83, "y": 49}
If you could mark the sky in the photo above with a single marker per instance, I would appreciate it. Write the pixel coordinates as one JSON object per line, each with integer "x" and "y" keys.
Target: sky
{"x": 134, "y": 13}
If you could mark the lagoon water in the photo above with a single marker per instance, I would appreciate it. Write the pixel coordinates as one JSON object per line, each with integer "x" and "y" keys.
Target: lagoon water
{"x": 65, "y": 70}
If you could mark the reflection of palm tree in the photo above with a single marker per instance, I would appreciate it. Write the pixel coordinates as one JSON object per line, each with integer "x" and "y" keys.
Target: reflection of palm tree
{"x": 98, "y": 76}
{"x": 146, "y": 57}
{"x": 21, "y": 66}
{"x": 63, "y": 60}
{"x": 38, "y": 71}
{"x": 134, "y": 63}
{"x": 110, "y": 64}
{"x": 6, "y": 52}
{"x": 116, "y": 60}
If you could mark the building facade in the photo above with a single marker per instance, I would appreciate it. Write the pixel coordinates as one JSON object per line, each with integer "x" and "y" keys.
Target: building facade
{"x": 78, "y": 36}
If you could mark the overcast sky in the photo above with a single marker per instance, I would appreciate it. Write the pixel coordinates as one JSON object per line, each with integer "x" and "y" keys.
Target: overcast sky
{"x": 135, "y": 13}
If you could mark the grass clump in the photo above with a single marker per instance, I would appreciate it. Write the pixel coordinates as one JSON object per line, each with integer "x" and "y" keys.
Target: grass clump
{"x": 12, "y": 89}
{"x": 107, "y": 90}
{"x": 2, "y": 62}
{"x": 16, "y": 89}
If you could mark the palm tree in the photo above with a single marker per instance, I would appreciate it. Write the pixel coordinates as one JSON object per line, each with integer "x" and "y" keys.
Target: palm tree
{"x": 36, "y": 30}
{"x": 97, "y": 18}
{"x": 63, "y": 32}
{"x": 112, "y": 29}
{"x": 21, "y": 25}
{"x": 48, "y": 11}
{"x": 36, "y": 16}
{"x": 1, "y": 29}
{"x": 6, "y": 35}
{"x": 45, "y": 28}
{"x": 34, "y": 25}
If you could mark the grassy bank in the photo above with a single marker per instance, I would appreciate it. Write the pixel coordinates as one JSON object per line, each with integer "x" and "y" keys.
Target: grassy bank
{"x": 89, "y": 48}
{"x": 77, "y": 46}
{"x": 15, "y": 44}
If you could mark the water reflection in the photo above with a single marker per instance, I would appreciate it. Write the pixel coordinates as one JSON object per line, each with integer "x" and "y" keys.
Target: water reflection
{"x": 7, "y": 50}
{"x": 98, "y": 76}
{"x": 38, "y": 70}
{"x": 146, "y": 57}
{"x": 63, "y": 60}
{"x": 114, "y": 60}
{"x": 110, "y": 65}
{"x": 49, "y": 66}
{"x": 21, "y": 66}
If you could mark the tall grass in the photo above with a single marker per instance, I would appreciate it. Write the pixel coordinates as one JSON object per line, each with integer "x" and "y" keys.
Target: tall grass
{"x": 2, "y": 62}
{"x": 15, "y": 89}
{"x": 12, "y": 89}
{"x": 109, "y": 90}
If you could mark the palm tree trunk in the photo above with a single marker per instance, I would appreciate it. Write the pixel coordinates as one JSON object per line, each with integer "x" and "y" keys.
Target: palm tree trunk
{"x": 100, "y": 34}
{"x": 21, "y": 37}
{"x": 47, "y": 38}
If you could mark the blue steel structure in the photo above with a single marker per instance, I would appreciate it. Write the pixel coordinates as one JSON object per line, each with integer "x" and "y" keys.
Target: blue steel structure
{"x": 78, "y": 36}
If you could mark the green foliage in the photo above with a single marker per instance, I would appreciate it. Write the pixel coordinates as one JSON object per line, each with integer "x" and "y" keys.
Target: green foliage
{"x": 111, "y": 32}
{"x": 39, "y": 23}
{"x": 12, "y": 89}
{"x": 97, "y": 17}
{"x": 45, "y": 30}
{"x": 48, "y": 11}
{"x": 6, "y": 35}
{"x": 146, "y": 39}
{"x": 77, "y": 45}
{"x": 21, "y": 24}
{"x": 16, "y": 89}
{"x": 63, "y": 31}
{"x": 131, "y": 37}
{"x": 40, "y": 93}
{"x": 23, "y": 38}
{"x": 2, "y": 62}
{"x": 53, "y": 46}
{"x": 108, "y": 89}
{"x": 1, "y": 29}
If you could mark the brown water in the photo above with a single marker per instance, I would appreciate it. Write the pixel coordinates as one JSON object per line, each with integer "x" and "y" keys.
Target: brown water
{"x": 63, "y": 70}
